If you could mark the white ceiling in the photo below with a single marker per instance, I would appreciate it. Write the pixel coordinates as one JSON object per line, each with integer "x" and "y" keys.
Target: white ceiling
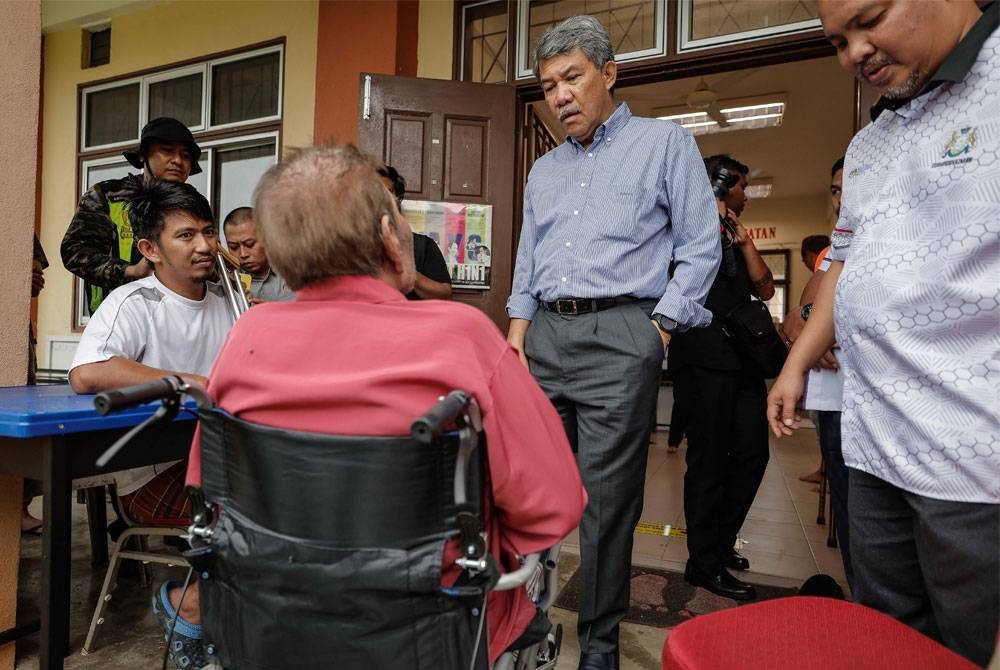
{"x": 797, "y": 156}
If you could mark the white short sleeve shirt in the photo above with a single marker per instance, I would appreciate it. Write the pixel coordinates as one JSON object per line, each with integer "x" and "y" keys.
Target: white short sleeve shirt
{"x": 146, "y": 322}
{"x": 916, "y": 306}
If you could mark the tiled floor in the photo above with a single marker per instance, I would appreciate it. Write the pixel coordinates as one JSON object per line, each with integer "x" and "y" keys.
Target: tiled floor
{"x": 783, "y": 543}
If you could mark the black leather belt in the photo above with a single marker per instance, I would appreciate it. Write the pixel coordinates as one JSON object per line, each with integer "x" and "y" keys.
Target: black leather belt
{"x": 574, "y": 306}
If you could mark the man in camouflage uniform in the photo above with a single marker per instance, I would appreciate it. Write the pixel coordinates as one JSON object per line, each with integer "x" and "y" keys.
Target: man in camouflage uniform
{"x": 98, "y": 246}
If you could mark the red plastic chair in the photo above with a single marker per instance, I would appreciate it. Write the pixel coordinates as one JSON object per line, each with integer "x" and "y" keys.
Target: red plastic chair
{"x": 803, "y": 633}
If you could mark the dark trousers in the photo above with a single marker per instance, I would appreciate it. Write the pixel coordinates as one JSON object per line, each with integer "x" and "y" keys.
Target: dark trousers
{"x": 932, "y": 564}
{"x": 726, "y": 457}
{"x": 602, "y": 373}
{"x": 836, "y": 473}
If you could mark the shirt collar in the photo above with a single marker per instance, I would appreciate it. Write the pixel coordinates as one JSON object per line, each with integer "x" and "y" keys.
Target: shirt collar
{"x": 607, "y": 130}
{"x": 958, "y": 62}
{"x": 352, "y": 288}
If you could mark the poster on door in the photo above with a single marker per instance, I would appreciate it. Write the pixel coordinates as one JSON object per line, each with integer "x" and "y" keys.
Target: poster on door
{"x": 463, "y": 233}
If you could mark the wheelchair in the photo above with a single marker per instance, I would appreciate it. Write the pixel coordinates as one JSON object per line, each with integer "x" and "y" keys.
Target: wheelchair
{"x": 326, "y": 551}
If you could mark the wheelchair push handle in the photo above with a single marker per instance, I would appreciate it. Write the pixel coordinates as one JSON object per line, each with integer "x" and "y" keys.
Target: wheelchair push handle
{"x": 130, "y": 396}
{"x": 448, "y": 408}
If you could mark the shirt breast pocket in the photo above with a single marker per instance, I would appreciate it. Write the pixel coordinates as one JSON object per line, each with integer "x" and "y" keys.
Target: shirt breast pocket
{"x": 619, "y": 213}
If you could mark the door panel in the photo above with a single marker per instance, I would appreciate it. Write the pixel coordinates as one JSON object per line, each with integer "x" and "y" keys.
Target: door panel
{"x": 468, "y": 154}
{"x": 454, "y": 142}
{"x": 408, "y": 135}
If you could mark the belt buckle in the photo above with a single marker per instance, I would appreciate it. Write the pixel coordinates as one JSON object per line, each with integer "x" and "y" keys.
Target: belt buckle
{"x": 572, "y": 308}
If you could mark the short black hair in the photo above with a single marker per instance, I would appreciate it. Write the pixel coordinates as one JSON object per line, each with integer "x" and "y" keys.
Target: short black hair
{"x": 153, "y": 200}
{"x": 713, "y": 163}
{"x": 238, "y": 216}
{"x": 814, "y": 244}
{"x": 837, "y": 165}
{"x": 398, "y": 183}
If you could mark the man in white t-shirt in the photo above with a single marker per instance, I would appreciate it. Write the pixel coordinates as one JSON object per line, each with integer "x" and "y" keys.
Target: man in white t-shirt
{"x": 170, "y": 323}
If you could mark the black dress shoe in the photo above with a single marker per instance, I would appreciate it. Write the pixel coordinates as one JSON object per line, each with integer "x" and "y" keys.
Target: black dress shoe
{"x": 605, "y": 661}
{"x": 736, "y": 561}
{"x": 722, "y": 584}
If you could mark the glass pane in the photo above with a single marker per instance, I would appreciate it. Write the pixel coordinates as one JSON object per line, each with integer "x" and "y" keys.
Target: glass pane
{"x": 777, "y": 261}
{"x": 777, "y": 305}
{"x": 237, "y": 174}
{"x": 245, "y": 89}
{"x": 96, "y": 173}
{"x": 631, "y": 24}
{"x": 179, "y": 98}
{"x": 484, "y": 57}
{"x": 112, "y": 115}
{"x": 715, "y": 18}
{"x": 100, "y": 47}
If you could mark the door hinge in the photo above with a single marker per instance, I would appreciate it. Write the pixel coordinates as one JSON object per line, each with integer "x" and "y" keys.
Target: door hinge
{"x": 366, "y": 105}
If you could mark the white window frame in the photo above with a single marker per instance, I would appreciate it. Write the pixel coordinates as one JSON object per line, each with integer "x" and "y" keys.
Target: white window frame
{"x": 176, "y": 74}
{"x": 83, "y": 112}
{"x": 205, "y": 68}
{"x": 244, "y": 56}
{"x": 523, "y": 59}
{"x": 685, "y": 45}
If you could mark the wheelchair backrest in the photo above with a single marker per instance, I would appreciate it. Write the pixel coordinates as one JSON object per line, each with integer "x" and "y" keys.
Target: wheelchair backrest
{"x": 346, "y": 491}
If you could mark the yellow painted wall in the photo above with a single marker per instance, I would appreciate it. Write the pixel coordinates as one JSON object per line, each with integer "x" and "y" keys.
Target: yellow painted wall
{"x": 793, "y": 219}
{"x": 434, "y": 46}
{"x": 161, "y": 35}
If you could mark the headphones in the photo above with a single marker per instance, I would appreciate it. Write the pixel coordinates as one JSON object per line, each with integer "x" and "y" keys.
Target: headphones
{"x": 722, "y": 180}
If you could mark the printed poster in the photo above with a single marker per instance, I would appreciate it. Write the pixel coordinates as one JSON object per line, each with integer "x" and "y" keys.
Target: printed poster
{"x": 463, "y": 233}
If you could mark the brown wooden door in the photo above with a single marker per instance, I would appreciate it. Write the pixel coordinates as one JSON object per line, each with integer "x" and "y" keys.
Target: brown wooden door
{"x": 454, "y": 142}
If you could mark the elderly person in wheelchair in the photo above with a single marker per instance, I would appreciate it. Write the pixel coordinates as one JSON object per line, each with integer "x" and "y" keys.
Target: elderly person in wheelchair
{"x": 350, "y": 356}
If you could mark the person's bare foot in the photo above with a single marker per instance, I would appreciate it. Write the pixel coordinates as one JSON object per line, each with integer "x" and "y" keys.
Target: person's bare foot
{"x": 812, "y": 477}
{"x": 30, "y": 525}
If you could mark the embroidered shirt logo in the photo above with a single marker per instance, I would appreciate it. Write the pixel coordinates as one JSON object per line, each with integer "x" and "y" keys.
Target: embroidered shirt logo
{"x": 962, "y": 142}
{"x": 959, "y": 147}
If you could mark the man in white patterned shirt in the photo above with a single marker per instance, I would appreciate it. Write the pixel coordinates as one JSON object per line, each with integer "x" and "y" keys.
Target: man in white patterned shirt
{"x": 917, "y": 254}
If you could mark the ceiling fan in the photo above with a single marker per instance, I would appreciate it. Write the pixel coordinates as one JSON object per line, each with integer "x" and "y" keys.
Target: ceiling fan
{"x": 706, "y": 100}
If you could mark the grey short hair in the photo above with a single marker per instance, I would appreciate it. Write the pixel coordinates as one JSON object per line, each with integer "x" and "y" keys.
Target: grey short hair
{"x": 577, "y": 32}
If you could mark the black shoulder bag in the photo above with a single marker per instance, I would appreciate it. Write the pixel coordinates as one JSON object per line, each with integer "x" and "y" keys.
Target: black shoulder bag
{"x": 753, "y": 334}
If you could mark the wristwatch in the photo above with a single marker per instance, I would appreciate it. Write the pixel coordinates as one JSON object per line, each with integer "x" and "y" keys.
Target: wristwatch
{"x": 665, "y": 323}
{"x": 805, "y": 311}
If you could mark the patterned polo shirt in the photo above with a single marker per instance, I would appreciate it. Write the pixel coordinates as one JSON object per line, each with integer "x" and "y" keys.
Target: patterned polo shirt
{"x": 916, "y": 307}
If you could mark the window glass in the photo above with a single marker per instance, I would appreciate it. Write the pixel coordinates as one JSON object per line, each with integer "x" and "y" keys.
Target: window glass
{"x": 712, "y": 22}
{"x": 245, "y": 89}
{"x": 179, "y": 98}
{"x": 112, "y": 115}
{"x": 237, "y": 173}
{"x": 484, "y": 48}
{"x": 634, "y": 26}
{"x": 100, "y": 47}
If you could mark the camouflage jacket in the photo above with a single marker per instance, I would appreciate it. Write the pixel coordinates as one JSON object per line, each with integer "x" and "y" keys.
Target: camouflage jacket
{"x": 90, "y": 248}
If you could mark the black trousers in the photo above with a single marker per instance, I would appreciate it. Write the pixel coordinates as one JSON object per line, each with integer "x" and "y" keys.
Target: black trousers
{"x": 726, "y": 457}
{"x": 932, "y": 564}
{"x": 602, "y": 373}
{"x": 836, "y": 473}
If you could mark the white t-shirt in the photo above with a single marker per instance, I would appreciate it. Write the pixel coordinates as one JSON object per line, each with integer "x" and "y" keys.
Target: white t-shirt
{"x": 916, "y": 306}
{"x": 146, "y": 322}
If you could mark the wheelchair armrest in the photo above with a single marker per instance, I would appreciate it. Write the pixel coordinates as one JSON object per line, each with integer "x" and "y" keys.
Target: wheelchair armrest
{"x": 519, "y": 577}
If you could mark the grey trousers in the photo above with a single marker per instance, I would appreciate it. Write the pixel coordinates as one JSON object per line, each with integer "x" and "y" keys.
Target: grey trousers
{"x": 602, "y": 372}
{"x": 932, "y": 564}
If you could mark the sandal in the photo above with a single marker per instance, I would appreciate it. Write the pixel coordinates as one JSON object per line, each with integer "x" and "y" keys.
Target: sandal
{"x": 186, "y": 645}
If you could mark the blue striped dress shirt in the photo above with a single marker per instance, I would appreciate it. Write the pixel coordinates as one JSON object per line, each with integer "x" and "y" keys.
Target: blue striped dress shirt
{"x": 604, "y": 221}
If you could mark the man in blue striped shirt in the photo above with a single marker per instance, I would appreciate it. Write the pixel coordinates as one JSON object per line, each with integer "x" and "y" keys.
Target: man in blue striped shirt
{"x": 592, "y": 306}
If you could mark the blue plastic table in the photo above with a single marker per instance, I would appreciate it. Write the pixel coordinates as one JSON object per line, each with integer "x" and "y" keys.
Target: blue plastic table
{"x": 52, "y": 434}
